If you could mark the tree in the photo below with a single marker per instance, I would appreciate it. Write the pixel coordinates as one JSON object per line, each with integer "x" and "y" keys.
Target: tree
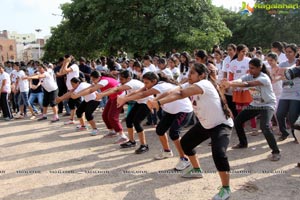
{"x": 137, "y": 26}
{"x": 264, "y": 26}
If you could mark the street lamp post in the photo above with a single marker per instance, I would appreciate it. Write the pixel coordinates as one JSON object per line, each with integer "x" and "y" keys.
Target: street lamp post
{"x": 38, "y": 31}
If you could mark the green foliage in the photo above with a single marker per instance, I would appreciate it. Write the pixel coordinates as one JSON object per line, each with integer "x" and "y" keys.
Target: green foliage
{"x": 92, "y": 26}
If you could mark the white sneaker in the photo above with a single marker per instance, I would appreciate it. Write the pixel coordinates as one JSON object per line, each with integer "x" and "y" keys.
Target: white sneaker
{"x": 190, "y": 172}
{"x": 94, "y": 132}
{"x": 121, "y": 139}
{"x": 110, "y": 134}
{"x": 69, "y": 122}
{"x": 223, "y": 194}
{"x": 163, "y": 155}
{"x": 182, "y": 164}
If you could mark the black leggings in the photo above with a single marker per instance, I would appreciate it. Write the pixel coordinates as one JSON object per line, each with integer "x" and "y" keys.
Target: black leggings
{"x": 174, "y": 122}
{"x": 88, "y": 108}
{"x": 136, "y": 115}
{"x": 219, "y": 142}
{"x": 74, "y": 103}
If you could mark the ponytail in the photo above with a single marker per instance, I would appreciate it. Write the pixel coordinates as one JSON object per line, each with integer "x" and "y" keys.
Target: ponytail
{"x": 151, "y": 76}
{"x": 226, "y": 110}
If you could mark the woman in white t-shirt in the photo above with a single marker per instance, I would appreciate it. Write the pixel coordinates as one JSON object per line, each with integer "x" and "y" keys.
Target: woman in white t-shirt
{"x": 176, "y": 115}
{"x": 87, "y": 106}
{"x": 137, "y": 113}
{"x": 184, "y": 67}
{"x": 239, "y": 66}
{"x": 215, "y": 122}
{"x": 173, "y": 67}
{"x": 277, "y": 76}
{"x": 5, "y": 90}
{"x": 50, "y": 92}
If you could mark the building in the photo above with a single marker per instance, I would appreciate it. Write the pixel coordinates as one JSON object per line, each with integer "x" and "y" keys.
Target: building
{"x": 21, "y": 47}
{"x": 8, "y": 48}
{"x": 22, "y": 38}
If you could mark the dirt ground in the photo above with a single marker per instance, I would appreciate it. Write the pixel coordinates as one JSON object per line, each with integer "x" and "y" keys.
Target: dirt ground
{"x": 39, "y": 160}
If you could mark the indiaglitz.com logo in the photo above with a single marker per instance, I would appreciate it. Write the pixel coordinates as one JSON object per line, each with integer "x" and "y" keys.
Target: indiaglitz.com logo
{"x": 271, "y": 8}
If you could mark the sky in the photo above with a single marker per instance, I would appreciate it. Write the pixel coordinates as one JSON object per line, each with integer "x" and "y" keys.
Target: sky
{"x": 25, "y": 16}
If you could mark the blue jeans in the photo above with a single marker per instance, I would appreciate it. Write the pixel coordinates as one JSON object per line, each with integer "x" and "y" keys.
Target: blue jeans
{"x": 103, "y": 102}
{"x": 39, "y": 96}
{"x": 287, "y": 109}
{"x": 23, "y": 99}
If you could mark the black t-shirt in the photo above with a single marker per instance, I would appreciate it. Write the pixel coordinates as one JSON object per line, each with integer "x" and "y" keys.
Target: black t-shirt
{"x": 38, "y": 89}
{"x": 61, "y": 83}
{"x": 86, "y": 70}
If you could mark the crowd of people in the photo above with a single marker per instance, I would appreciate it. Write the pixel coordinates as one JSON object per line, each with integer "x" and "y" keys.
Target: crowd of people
{"x": 169, "y": 92}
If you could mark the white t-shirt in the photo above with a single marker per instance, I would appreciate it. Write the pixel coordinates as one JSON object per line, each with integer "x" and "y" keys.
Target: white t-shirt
{"x": 50, "y": 71}
{"x": 282, "y": 58}
{"x": 226, "y": 65}
{"x": 220, "y": 72}
{"x": 103, "y": 83}
{"x": 23, "y": 84}
{"x": 145, "y": 70}
{"x": 207, "y": 106}
{"x": 136, "y": 85}
{"x": 167, "y": 72}
{"x": 6, "y": 88}
{"x": 239, "y": 69}
{"x": 72, "y": 74}
{"x": 48, "y": 83}
{"x": 176, "y": 72}
{"x": 152, "y": 68}
{"x": 181, "y": 105}
{"x": 83, "y": 86}
{"x": 14, "y": 75}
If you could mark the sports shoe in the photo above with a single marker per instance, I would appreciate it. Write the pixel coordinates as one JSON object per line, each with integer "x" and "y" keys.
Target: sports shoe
{"x": 69, "y": 122}
{"x": 42, "y": 118}
{"x": 111, "y": 134}
{"x": 192, "y": 173}
{"x": 94, "y": 132}
{"x": 54, "y": 120}
{"x": 240, "y": 146}
{"x": 282, "y": 138}
{"x": 121, "y": 139}
{"x": 274, "y": 157}
{"x": 223, "y": 194}
{"x": 19, "y": 116}
{"x": 128, "y": 144}
{"x": 8, "y": 119}
{"x": 33, "y": 117}
{"x": 163, "y": 154}
{"x": 142, "y": 149}
{"x": 81, "y": 128}
{"x": 182, "y": 164}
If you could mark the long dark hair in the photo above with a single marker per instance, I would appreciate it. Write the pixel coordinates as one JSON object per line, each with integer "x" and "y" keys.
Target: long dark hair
{"x": 185, "y": 66}
{"x": 200, "y": 69}
{"x": 239, "y": 48}
{"x": 151, "y": 76}
{"x": 202, "y": 54}
{"x": 256, "y": 62}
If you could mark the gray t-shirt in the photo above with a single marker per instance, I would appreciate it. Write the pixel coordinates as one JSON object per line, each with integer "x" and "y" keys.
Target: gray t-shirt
{"x": 262, "y": 95}
{"x": 290, "y": 88}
